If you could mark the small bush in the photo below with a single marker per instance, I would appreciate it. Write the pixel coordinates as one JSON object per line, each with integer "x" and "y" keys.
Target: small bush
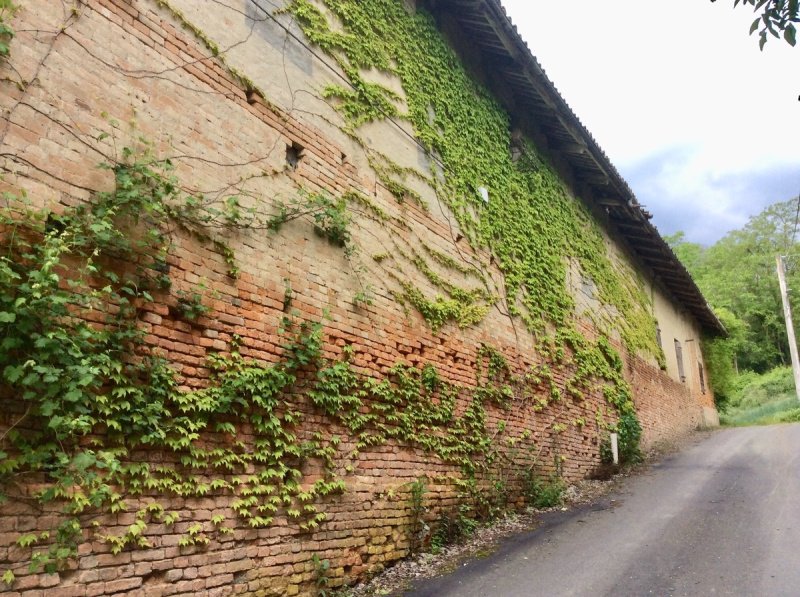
{"x": 762, "y": 399}
{"x": 417, "y": 507}
{"x": 752, "y": 390}
{"x": 465, "y": 523}
{"x": 446, "y": 533}
{"x": 544, "y": 493}
{"x": 451, "y": 528}
{"x": 629, "y": 434}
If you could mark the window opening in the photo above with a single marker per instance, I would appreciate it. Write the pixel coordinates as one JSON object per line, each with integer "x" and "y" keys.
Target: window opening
{"x": 679, "y": 357}
{"x": 702, "y": 378}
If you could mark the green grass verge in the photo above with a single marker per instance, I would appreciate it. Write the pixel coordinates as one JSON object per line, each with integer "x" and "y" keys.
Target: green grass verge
{"x": 780, "y": 411}
{"x": 762, "y": 399}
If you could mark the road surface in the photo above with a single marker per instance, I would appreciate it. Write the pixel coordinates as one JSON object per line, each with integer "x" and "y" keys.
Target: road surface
{"x": 721, "y": 518}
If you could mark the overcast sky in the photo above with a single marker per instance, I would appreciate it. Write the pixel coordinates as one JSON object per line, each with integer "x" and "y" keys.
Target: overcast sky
{"x": 703, "y": 126}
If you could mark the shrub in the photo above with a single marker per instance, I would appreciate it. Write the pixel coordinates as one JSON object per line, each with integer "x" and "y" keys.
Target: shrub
{"x": 543, "y": 493}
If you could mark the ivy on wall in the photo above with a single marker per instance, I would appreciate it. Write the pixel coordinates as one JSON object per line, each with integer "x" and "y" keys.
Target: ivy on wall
{"x": 531, "y": 223}
{"x": 7, "y": 11}
{"x": 96, "y": 398}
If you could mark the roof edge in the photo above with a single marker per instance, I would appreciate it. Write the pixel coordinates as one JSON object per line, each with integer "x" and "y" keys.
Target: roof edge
{"x": 566, "y": 134}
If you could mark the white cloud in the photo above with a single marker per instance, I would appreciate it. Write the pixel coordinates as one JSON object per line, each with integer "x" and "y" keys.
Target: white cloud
{"x": 647, "y": 77}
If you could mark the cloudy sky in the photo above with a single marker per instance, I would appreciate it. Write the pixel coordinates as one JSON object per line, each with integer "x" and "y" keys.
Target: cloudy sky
{"x": 703, "y": 126}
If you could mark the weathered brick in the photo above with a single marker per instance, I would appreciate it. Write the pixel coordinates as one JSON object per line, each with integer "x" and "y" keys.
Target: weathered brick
{"x": 123, "y": 584}
{"x": 173, "y": 575}
{"x": 364, "y": 528}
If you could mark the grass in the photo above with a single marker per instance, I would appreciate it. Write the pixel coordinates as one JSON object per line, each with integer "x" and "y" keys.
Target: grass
{"x": 763, "y": 399}
{"x": 765, "y": 414}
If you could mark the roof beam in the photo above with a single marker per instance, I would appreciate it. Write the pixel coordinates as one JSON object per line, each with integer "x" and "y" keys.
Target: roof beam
{"x": 569, "y": 147}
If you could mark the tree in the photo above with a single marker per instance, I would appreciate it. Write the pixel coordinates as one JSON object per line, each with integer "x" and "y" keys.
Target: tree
{"x": 738, "y": 274}
{"x": 778, "y": 17}
{"x": 721, "y": 356}
{"x": 689, "y": 253}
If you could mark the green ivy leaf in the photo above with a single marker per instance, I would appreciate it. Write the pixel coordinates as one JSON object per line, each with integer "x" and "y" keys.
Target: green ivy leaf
{"x": 8, "y": 577}
{"x": 27, "y": 540}
{"x": 790, "y": 34}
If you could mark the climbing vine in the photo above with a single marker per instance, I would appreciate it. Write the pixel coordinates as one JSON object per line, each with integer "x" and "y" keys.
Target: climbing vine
{"x": 96, "y": 397}
{"x": 7, "y": 11}
{"x": 530, "y": 223}
{"x": 74, "y": 287}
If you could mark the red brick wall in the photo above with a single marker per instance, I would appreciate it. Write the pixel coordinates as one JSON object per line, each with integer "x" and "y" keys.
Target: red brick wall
{"x": 132, "y": 60}
{"x": 665, "y": 407}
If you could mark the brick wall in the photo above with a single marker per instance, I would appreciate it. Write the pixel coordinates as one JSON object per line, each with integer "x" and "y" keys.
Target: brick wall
{"x": 666, "y": 407}
{"x": 132, "y": 62}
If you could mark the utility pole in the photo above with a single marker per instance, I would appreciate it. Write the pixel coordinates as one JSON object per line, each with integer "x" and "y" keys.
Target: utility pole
{"x": 787, "y": 314}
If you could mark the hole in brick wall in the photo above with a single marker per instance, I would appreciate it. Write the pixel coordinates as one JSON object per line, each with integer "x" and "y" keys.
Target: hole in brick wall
{"x": 54, "y": 224}
{"x": 161, "y": 266}
{"x": 154, "y": 577}
{"x": 294, "y": 153}
{"x": 344, "y": 157}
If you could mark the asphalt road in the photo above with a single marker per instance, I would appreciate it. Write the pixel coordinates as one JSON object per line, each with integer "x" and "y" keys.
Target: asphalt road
{"x": 721, "y": 518}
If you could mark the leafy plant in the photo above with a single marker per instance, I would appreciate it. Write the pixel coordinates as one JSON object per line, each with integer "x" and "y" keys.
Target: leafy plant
{"x": 536, "y": 226}
{"x": 330, "y": 216}
{"x": 465, "y": 522}
{"x": 365, "y": 297}
{"x": 629, "y": 433}
{"x": 321, "y": 570}
{"x": 8, "y": 578}
{"x": 7, "y": 11}
{"x": 190, "y": 305}
{"x": 541, "y": 492}
{"x": 450, "y": 529}
{"x": 72, "y": 288}
{"x": 82, "y": 380}
{"x": 534, "y": 233}
{"x": 778, "y": 17}
{"x": 417, "y": 506}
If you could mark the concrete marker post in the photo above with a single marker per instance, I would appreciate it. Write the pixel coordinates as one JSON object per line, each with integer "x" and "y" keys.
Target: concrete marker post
{"x": 615, "y": 447}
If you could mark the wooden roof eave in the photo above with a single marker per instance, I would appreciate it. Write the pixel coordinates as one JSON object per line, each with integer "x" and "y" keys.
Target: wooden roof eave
{"x": 495, "y": 34}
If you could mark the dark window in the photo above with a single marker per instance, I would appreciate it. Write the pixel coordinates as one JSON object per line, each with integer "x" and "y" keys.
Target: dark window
{"x": 702, "y": 377}
{"x": 679, "y": 357}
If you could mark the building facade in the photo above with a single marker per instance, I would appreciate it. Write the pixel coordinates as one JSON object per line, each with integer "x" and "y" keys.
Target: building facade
{"x": 351, "y": 270}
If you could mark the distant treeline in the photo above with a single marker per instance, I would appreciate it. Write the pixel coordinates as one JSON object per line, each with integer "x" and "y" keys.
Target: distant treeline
{"x": 738, "y": 276}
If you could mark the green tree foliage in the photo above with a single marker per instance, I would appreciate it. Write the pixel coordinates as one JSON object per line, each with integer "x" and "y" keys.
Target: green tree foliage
{"x": 737, "y": 275}
{"x": 775, "y": 17}
{"x": 721, "y": 356}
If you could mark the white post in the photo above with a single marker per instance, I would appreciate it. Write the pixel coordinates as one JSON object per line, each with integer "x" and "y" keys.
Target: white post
{"x": 787, "y": 315}
{"x": 615, "y": 447}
